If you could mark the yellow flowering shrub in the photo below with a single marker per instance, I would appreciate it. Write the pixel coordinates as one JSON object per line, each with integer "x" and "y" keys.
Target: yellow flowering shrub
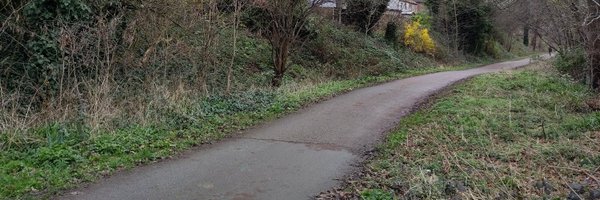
{"x": 418, "y": 39}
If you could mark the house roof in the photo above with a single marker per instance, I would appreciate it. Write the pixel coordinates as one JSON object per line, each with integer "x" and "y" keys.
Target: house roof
{"x": 392, "y": 5}
{"x": 401, "y": 6}
{"x": 329, "y": 4}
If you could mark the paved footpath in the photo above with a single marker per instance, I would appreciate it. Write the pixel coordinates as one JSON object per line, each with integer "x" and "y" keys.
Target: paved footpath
{"x": 294, "y": 157}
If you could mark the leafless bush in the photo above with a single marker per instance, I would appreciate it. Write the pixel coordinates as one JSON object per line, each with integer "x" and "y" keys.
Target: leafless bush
{"x": 565, "y": 26}
{"x": 118, "y": 65}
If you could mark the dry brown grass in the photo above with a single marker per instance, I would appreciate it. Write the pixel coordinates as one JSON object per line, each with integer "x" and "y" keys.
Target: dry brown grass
{"x": 521, "y": 135}
{"x": 117, "y": 67}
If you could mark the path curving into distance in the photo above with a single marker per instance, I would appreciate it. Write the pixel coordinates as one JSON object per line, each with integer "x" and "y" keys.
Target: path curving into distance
{"x": 294, "y": 157}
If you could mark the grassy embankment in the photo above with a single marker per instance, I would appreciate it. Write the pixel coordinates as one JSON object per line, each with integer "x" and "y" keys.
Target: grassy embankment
{"x": 66, "y": 160}
{"x": 43, "y": 159}
{"x": 525, "y": 134}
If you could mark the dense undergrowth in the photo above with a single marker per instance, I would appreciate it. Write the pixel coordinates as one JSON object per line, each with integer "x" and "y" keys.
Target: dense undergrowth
{"x": 131, "y": 84}
{"x": 45, "y": 159}
{"x": 61, "y": 155}
{"x": 528, "y": 134}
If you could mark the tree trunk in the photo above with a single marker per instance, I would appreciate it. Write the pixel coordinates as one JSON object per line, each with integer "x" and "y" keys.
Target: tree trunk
{"x": 277, "y": 79}
{"x": 456, "y": 42}
{"x": 510, "y": 39}
{"x": 279, "y": 67}
{"x": 534, "y": 42}
{"x": 595, "y": 70}
{"x": 593, "y": 46}
{"x": 339, "y": 8}
{"x": 526, "y": 35}
{"x": 236, "y": 23}
{"x": 280, "y": 56}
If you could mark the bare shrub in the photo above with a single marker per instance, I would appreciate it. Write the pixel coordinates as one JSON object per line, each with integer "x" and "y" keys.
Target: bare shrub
{"x": 114, "y": 66}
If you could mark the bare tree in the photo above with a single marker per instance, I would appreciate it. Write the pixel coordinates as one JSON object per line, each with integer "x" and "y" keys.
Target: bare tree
{"x": 565, "y": 26}
{"x": 364, "y": 14}
{"x": 236, "y": 23}
{"x": 287, "y": 20}
{"x": 340, "y": 5}
{"x": 592, "y": 44}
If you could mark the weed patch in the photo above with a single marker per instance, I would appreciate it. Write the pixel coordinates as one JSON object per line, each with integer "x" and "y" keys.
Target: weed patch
{"x": 60, "y": 156}
{"x": 514, "y": 135}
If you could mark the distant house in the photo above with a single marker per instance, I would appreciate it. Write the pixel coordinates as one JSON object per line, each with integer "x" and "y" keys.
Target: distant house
{"x": 420, "y": 5}
{"x": 404, "y": 7}
{"x": 325, "y": 4}
{"x": 397, "y": 10}
{"x": 330, "y": 3}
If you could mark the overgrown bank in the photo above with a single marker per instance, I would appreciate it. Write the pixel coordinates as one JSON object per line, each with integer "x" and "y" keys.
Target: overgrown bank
{"x": 106, "y": 85}
{"x": 517, "y": 135}
{"x": 61, "y": 157}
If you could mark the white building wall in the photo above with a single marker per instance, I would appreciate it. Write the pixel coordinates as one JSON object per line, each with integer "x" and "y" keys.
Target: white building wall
{"x": 394, "y": 5}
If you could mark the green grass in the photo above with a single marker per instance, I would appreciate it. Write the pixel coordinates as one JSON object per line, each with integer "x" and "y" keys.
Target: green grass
{"x": 38, "y": 160}
{"x": 61, "y": 156}
{"x": 515, "y": 135}
{"x": 44, "y": 160}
